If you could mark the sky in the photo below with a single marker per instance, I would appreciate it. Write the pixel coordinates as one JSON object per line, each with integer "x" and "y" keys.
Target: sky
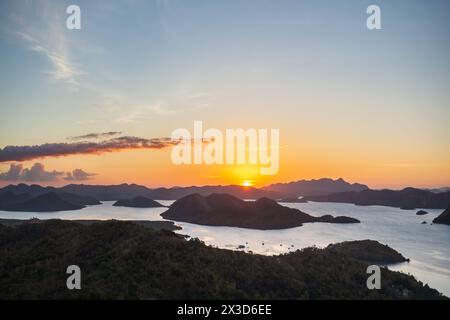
{"x": 370, "y": 106}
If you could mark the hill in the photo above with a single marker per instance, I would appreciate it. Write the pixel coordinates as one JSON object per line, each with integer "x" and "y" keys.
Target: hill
{"x": 122, "y": 260}
{"x": 369, "y": 251}
{"x": 138, "y": 202}
{"x": 227, "y": 210}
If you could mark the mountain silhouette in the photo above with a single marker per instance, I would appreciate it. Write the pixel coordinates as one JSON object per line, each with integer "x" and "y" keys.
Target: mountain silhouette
{"x": 444, "y": 217}
{"x": 408, "y": 198}
{"x": 315, "y": 187}
{"x": 138, "y": 202}
{"x": 227, "y": 210}
{"x": 50, "y": 201}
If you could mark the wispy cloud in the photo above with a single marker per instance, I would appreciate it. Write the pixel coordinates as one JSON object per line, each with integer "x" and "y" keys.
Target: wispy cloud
{"x": 63, "y": 69}
{"x": 46, "y": 34}
{"x": 90, "y": 136}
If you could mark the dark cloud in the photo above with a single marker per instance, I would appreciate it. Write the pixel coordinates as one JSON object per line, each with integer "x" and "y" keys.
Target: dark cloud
{"x": 90, "y": 136}
{"x": 36, "y": 173}
{"x": 23, "y": 153}
{"x": 78, "y": 175}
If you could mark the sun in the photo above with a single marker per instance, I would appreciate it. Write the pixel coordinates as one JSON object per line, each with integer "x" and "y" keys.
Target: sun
{"x": 247, "y": 183}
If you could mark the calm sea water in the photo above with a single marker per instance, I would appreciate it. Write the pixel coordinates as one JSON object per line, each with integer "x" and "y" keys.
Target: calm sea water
{"x": 427, "y": 245}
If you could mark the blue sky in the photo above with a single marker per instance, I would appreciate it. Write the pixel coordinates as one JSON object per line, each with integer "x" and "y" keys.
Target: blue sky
{"x": 309, "y": 67}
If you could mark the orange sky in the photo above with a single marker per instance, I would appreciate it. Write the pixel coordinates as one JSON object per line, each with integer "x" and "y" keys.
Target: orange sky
{"x": 154, "y": 168}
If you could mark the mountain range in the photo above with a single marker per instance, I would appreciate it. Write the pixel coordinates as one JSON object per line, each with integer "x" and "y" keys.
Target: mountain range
{"x": 408, "y": 198}
{"x": 126, "y": 191}
{"x": 322, "y": 190}
{"x": 317, "y": 187}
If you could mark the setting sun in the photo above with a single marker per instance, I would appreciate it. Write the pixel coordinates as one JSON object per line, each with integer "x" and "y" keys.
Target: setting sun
{"x": 247, "y": 183}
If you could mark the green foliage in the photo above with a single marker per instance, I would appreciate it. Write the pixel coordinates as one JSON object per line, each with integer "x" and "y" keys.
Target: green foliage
{"x": 122, "y": 260}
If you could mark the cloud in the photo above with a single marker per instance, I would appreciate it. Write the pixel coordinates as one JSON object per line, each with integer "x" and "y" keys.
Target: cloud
{"x": 46, "y": 34}
{"x": 90, "y": 136}
{"x": 24, "y": 153}
{"x": 78, "y": 175}
{"x": 36, "y": 173}
{"x": 63, "y": 68}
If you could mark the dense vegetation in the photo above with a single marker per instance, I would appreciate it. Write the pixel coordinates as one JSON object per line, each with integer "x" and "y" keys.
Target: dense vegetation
{"x": 122, "y": 260}
{"x": 369, "y": 251}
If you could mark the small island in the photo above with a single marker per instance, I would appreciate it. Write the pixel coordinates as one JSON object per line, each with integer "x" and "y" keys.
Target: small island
{"x": 227, "y": 210}
{"x": 293, "y": 200}
{"x": 368, "y": 251}
{"x": 138, "y": 202}
{"x": 421, "y": 212}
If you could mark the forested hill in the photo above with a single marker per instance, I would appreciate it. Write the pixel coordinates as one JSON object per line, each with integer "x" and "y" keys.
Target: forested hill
{"x": 122, "y": 260}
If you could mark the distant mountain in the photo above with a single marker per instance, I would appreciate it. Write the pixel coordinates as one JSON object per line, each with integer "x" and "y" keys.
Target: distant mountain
{"x": 21, "y": 192}
{"x": 107, "y": 192}
{"x": 77, "y": 199}
{"x": 45, "y": 202}
{"x": 227, "y": 210}
{"x": 408, "y": 198}
{"x": 240, "y": 192}
{"x": 24, "y": 197}
{"x": 32, "y": 190}
{"x": 444, "y": 217}
{"x": 126, "y": 191}
{"x": 438, "y": 190}
{"x": 8, "y": 198}
{"x": 315, "y": 187}
{"x": 289, "y": 191}
{"x": 138, "y": 202}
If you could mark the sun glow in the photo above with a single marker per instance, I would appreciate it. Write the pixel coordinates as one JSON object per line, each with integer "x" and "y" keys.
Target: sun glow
{"x": 247, "y": 183}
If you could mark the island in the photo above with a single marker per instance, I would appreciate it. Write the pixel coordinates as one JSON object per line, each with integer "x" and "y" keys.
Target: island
{"x": 227, "y": 210}
{"x": 44, "y": 202}
{"x": 443, "y": 218}
{"x": 421, "y": 212}
{"x": 407, "y": 199}
{"x": 138, "y": 202}
{"x": 292, "y": 200}
{"x": 368, "y": 251}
